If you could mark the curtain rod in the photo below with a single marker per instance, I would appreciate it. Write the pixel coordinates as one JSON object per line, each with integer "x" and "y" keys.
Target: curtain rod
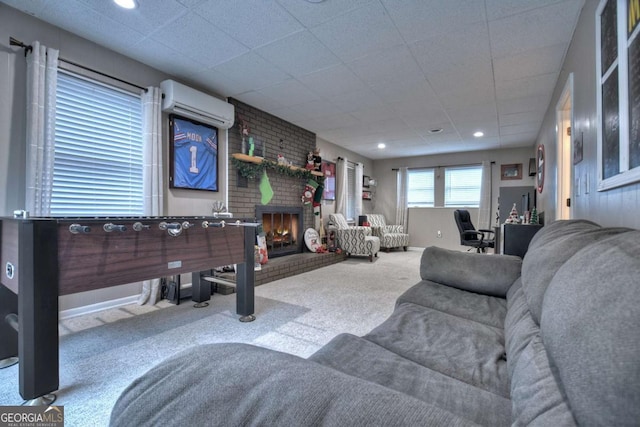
{"x": 342, "y": 158}
{"x": 443, "y": 166}
{"x": 29, "y": 48}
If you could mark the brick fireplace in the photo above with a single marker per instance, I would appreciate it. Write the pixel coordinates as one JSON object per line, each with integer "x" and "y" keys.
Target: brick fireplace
{"x": 293, "y": 143}
{"x": 282, "y": 226}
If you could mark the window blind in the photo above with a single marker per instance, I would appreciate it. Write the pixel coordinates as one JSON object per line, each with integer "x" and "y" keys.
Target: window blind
{"x": 98, "y": 150}
{"x": 462, "y": 186}
{"x": 420, "y": 188}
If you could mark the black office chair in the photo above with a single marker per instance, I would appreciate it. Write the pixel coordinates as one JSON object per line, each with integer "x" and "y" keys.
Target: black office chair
{"x": 469, "y": 236}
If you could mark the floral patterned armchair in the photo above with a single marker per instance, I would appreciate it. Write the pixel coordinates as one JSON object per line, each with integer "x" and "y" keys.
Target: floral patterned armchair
{"x": 391, "y": 236}
{"x": 354, "y": 240}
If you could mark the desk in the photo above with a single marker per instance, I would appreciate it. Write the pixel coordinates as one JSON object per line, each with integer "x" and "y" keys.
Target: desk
{"x": 43, "y": 258}
{"x": 516, "y": 238}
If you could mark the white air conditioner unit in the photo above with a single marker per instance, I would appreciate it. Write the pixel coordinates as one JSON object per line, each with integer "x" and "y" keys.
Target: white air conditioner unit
{"x": 190, "y": 103}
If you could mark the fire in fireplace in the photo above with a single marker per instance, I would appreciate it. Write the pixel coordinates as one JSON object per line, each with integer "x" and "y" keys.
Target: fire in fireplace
{"x": 282, "y": 226}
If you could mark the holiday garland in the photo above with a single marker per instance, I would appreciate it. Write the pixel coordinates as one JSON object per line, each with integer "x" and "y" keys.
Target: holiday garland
{"x": 253, "y": 170}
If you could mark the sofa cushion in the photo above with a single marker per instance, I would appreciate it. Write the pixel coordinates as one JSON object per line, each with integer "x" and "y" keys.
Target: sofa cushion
{"x": 460, "y": 348}
{"x": 489, "y": 275}
{"x": 364, "y": 359}
{"x": 590, "y": 327}
{"x": 537, "y": 398}
{"x": 519, "y": 327}
{"x": 551, "y": 250}
{"x": 238, "y": 384}
{"x": 467, "y": 305}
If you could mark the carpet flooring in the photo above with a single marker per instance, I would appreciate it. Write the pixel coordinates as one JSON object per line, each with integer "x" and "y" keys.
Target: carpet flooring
{"x": 101, "y": 353}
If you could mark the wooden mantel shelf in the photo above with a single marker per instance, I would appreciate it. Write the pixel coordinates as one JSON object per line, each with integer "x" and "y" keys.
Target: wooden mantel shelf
{"x": 258, "y": 160}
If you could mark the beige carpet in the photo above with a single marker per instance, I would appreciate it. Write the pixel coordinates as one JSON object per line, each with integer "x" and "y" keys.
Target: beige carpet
{"x": 101, "y": 353}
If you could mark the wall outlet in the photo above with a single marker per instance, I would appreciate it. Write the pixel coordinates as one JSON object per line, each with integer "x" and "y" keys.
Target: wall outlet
{"x": 439, "y": 234}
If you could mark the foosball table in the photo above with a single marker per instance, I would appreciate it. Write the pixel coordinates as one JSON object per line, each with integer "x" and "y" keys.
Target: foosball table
{"x": 44, "y": 258}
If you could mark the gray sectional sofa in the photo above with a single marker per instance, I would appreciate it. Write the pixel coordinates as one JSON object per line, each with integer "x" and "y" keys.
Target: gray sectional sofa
{"x": 551, "y": 340}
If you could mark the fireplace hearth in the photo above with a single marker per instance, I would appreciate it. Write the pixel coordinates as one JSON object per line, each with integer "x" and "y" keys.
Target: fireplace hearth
{"x": 283, "y": 229}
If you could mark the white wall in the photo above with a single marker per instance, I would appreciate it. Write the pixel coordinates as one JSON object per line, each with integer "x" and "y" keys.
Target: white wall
{"x": 617, "y": 207}
{"x": 13, "y": 121}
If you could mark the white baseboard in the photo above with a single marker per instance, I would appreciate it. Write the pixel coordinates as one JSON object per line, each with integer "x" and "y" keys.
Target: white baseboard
{"x": 92, "y": 308}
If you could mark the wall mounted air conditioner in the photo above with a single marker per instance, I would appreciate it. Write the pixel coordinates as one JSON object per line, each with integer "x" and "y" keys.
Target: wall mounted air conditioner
{"x": 190, "y": 103}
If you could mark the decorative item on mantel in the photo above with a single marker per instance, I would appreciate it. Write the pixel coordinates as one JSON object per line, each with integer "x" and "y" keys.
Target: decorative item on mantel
{"x": 251, "y": 167}
{"x": 513, "y": 216}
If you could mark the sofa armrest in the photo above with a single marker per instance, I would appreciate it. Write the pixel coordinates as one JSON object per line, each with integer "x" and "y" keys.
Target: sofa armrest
{"x": 485, "y": 274}
{"x": 240, "y": 384}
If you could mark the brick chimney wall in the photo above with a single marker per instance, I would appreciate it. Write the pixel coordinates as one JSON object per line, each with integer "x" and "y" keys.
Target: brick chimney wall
{"x": 281, "y": 137}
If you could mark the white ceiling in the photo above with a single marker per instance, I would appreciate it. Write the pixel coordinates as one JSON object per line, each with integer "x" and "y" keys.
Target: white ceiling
{"x": 355, "y": 72}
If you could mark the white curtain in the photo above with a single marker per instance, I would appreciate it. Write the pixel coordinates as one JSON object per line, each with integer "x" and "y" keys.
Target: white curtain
{"x": 341, "y": 186}
{"x": 359, "y": 172}
{"x": 152, "y": 173}
{"x": 42, "y": 74}
{"x": 402, "y": 211}
{"x": 484, "y": 213}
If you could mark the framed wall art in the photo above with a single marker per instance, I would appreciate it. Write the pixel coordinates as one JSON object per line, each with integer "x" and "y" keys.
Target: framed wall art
{"x": 328, "y": 169}
{"x": 513, "y": 171}
{"x": 193, "y": 154}
{"x": 618, "y": 93}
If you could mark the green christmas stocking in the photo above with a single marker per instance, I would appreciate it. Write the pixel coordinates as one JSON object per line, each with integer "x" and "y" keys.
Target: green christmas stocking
{"x": 265, "y": 189}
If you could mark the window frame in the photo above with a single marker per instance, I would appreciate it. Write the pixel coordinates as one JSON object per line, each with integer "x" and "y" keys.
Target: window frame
{"x": 459, "y": 202}
{"x": 411, "y": 204}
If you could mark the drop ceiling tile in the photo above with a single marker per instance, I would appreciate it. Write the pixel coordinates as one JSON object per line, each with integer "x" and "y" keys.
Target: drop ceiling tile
{"x": 298, "y": 54}
{"x": 258, "y": 100}
{"x": 466, "y": 130}
{"x": 252, "y": 71}
{"x": 221, "y": 83}
{"x": 145, "y": 18}
{"x": 519, "y": 140}
{"x": 531, "y": 86}
{"x": 537, "y": 103}
{"x": 333, "y": 81}
{"x": 371, "y": 113}
{"x": 196, "y": 42}
{"x": 79, "y": 19}
{"x": 252, "y": 22}
{"x": 290, "y": 92}
{"x": 474, "y": 113}
{"x": 359, "y": 32}
{"x": 529, "y": 63}
{"x": 520, "y": 118}
{"x": 289, "y": 114}
{"x": 535, "y": 29}
{"x": 423, "y": 120}
{"x": 312, "y": 14}
{"x": 317, "y": 108}
{"x": 334, "y": 121}
{"x": 352, "y": 101}
{"x": 396, "y": 63}
{"x": 173, "y": 63}
{"x": 31, "y": 7}
{"x": 418, "y": 20}
{"x": 411, "y": 93}
{"x": 462, "y": 49}
{"x": 497, "y": 9}
{"x": 478, "y": 74}
{"x": 520, "y": 128}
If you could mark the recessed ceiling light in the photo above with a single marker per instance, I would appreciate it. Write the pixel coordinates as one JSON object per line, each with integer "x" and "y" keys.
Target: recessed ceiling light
{"x": 382, "y": 145}
{"x": 435, "y": 130}
{"x": 478, "y": 134}
{"x": 126, "y": 4}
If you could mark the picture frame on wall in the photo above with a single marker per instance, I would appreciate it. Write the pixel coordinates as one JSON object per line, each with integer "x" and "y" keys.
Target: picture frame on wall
{"x": 617, "y": 93}
{"x": 366, "y": 195}
{"x": 193, "y": 154}
{"x": 365, "y": 181}
{"x": 511, "y": 171}
{"x": 328, "y": 169}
